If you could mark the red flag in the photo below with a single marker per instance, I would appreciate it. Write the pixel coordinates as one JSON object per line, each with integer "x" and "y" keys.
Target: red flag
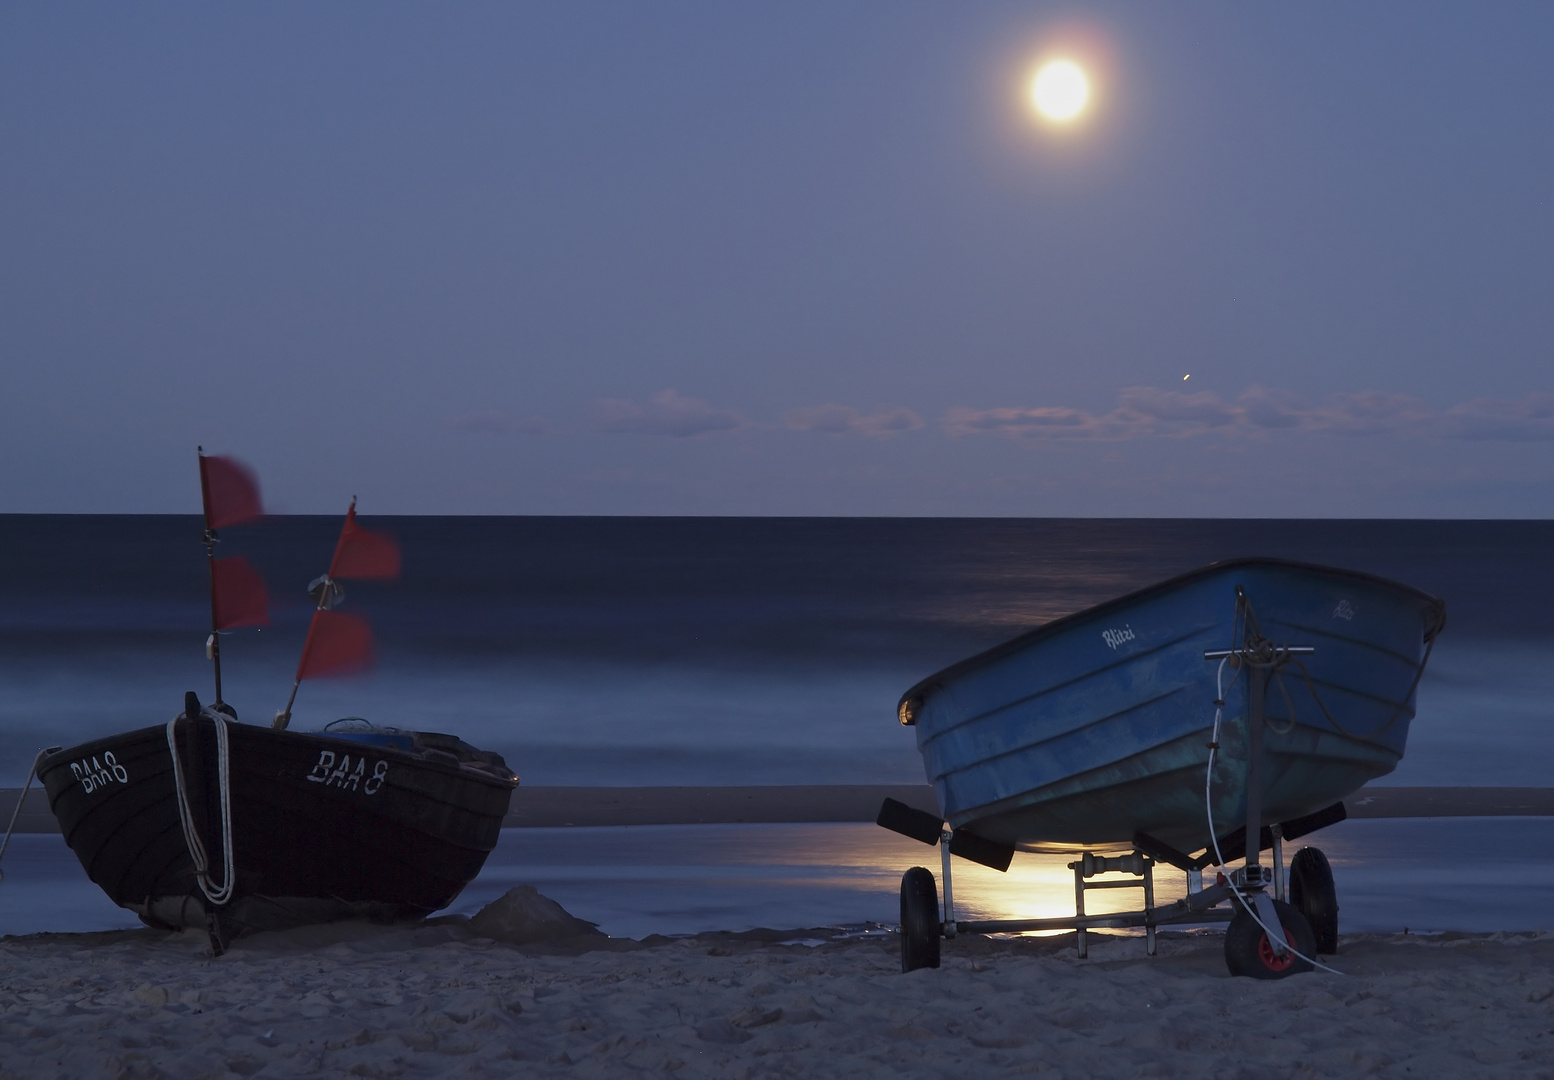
{"x": 239, "y": 595}
{"x": 231, "y": 492}
{"x": 362, "y": 553}
{"x": 338, "y": 644}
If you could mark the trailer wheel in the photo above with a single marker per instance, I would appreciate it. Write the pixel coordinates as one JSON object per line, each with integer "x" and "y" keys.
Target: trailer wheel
{"x": 1313, "y": 894}
{"x": 920, "y": 925}
{"x": 1249, "y": 952}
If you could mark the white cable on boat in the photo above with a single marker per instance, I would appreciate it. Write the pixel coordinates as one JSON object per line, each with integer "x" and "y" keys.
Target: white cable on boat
{"x": 1208, "y": 808}
{"x": 191, "y": 835}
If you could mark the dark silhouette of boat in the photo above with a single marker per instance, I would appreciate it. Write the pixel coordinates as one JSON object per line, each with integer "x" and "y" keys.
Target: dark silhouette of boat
{"x": 208, "y": 822}
{"x": 308, "y": 826}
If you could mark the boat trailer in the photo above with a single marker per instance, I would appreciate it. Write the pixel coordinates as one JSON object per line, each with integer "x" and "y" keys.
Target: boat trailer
{"x": 1307, "y": 889}
{"x": 1303, "y": 906}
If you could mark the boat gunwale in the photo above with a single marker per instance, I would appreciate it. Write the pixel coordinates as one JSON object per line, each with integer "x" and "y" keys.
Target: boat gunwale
{"x": 67, "y": 753}
{"x": 1021, "y": 641}
{"x": 110, "y": 822}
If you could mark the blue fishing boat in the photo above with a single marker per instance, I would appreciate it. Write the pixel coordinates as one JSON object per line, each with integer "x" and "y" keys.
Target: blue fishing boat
{"x": 1094, "y": 727}
{"x": 1248, "y": 696}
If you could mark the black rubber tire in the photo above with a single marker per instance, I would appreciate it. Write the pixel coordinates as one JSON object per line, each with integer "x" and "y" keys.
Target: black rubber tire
{"x": 920, "y": 926}
{"x": 1313, "y": 895}
{"x": 1247, "y": 951}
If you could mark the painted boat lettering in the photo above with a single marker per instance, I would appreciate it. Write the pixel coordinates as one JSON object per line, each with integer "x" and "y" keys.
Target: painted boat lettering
{"x": 341, "y": 774}
{"x": 95, "y": 775}
{"x": 1343, "y": 611}
{"x": 1115, "y": 638}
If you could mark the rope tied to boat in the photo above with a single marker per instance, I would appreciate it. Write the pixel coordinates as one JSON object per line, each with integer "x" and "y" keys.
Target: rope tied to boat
{"x": 1258, "y": 651}
{"x": 1255, "y": 651}
{"x": 217, "y": 895}
{"x": 1413, "y": 686}
{"x": 1208, "y": 810}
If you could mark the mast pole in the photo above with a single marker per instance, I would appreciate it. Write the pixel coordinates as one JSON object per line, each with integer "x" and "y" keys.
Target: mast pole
{"x": 283, "y": 718}
{"x": 213, "y": 643}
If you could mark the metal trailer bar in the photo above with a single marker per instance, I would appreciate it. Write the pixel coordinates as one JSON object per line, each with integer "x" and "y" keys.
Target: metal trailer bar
{"x": 1140, "y": 869}
{"x": 1280, "y": 886}
{"x": 1291, "y": 650}
{"x": 1091, "y": 922}
{"x": 949, "y": 924}
{"x": 1195, "y": 908}
{"x": 1257, "y": 688}
{"x": 1253, "y": 877}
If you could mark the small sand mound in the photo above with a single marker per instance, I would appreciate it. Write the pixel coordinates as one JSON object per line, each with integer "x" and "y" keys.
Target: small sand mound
{"x": 521, "y": 916}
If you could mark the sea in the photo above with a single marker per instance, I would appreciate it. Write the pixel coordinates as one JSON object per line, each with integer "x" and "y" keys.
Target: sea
{"x": 747, "y": 651}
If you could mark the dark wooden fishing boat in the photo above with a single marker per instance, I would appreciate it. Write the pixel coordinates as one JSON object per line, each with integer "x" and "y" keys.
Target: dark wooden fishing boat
{"x": 318, "y": 825}
{"x": 207, "y": 822}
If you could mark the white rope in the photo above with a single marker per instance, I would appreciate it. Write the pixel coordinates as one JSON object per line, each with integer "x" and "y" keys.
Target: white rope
{"x": 191, "y": 835}
{"x": 1208, "y": 809}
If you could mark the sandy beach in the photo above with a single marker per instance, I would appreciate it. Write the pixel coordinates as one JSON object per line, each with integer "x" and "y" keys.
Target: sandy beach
{"x": 440, "y": 999}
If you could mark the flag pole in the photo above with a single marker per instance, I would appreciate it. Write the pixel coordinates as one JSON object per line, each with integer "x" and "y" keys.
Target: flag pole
{"x": 283, "y": 718}
{"x": 213, "y": 643}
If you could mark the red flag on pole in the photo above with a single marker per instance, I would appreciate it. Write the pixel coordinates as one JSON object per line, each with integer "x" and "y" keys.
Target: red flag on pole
{"x": 338, "y": 644}
{"x": 239, "y": 597}
{"x": 362, "y": 553}
{"x": 231, "y": 492}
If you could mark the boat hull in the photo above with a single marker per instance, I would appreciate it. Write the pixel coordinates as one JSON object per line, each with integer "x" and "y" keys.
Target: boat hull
{"x": 322, "y": 828}
{"x": 1095, "y": 727}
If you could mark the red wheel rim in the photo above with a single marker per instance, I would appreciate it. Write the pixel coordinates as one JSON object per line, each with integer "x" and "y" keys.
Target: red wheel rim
{"x": 1274, "y": 962}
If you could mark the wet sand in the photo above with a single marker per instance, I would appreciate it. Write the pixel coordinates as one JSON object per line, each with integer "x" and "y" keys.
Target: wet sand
{"x": 440, "y": 1000}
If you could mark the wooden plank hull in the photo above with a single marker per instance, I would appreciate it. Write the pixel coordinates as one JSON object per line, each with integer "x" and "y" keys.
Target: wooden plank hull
{"x": 322, "y": 827}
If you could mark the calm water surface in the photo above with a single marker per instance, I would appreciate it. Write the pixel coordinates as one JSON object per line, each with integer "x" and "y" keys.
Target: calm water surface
{"x": 744, "y": 651}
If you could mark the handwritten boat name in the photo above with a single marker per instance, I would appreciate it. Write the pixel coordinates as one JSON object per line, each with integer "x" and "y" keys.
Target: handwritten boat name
{"x": 94, "y": 774}
{"x": 340, "y": 774}
{"x": 1115, "y": 638}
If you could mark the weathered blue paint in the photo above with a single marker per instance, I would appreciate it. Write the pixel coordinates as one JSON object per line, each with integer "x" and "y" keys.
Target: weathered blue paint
{"x": 1095, "y": 726}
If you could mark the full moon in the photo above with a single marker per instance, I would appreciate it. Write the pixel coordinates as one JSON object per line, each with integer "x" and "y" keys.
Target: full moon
{"x": 1060, "y": 90}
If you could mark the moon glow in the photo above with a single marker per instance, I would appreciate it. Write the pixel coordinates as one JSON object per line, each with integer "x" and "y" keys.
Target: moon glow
{"x": 1060, "y": 90}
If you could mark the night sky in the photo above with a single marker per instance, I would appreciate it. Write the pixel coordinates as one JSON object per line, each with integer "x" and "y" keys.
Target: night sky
{"x": 797, "y": 258}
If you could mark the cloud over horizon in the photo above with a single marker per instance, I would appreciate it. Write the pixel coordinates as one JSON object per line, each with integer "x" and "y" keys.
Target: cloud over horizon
{"x": 1144, "y": 411}
{"x": 884, "y": 422}
{"x": 666, "y": 413}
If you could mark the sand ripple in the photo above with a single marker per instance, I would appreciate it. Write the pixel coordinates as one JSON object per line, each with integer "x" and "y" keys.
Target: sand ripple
{"x": 355, "y": 1000}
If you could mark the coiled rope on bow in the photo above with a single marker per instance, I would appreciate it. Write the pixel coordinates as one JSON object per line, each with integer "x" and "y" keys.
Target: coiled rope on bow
{"x": 217, "y": 895}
